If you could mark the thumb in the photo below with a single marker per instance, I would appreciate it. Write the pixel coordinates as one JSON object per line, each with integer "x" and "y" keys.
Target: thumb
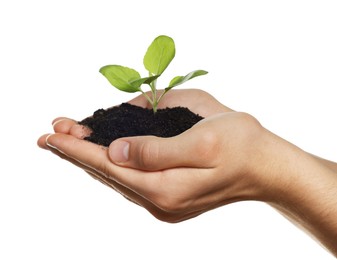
{"x": 153, "y": 153}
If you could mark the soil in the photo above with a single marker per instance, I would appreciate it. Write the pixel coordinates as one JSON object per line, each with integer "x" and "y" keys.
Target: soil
{"x": 129, "y": 120}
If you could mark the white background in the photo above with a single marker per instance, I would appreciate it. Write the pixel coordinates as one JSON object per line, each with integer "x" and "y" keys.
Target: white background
{"x": 274, "y": 59}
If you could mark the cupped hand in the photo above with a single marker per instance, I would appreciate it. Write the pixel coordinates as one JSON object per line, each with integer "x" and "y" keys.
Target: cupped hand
{"x": 198, "y": 101}
{"x": 175, "y": 178}
{"x": 226, "y": 157}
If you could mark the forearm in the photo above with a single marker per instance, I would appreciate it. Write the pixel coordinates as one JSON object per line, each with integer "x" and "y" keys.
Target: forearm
{"x": 331, "y": 165}
{"x": 311, "y": 204}
{"x": 304, "y": 188}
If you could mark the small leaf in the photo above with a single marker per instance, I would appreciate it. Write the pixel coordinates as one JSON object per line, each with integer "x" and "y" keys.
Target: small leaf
{"x": 182, "y": 79}
{"x": 120, "y": 77}
{"x": 138, "y": 82}
{"x": 159, "y": 55}
{"x": 175, "y": 81}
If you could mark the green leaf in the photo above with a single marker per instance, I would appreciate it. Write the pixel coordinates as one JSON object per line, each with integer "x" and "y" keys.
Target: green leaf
{"x": 182, "y": 79}
{"x": 138, "y": 82}
{"x": 120, "y": 77}
{"x": 159, "y": 54}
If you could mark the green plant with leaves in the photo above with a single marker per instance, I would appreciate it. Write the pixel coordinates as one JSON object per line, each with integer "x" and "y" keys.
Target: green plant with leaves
{"x": 157, "y": 58}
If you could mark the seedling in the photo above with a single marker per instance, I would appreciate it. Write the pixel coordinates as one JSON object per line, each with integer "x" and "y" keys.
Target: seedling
{"x": 157, "y": 58}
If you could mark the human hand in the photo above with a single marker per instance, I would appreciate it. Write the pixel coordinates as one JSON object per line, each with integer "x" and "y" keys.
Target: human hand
{"x": 198, "y": 101}
{"x": 174, "y": 178}
{"x": 224, "y": 158}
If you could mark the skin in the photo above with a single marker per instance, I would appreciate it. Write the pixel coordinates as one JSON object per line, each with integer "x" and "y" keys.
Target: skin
{"x": 227, "y": 157}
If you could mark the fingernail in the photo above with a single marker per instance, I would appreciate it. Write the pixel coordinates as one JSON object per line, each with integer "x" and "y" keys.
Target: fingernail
{"x": 47, "y": 141}
{"x": 56, "y": 121}
{"x": 119, "y": 151}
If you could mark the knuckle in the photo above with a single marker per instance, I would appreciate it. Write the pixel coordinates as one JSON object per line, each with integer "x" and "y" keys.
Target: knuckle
{"x": 148, "y": 154}
{"x": 206, "y": 146}
{"x": 103, "y": 169}
{"x": 249, "y": 125}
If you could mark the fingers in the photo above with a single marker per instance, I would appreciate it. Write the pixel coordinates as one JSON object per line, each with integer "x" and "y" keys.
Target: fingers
{"x": 70, "y": 126}
{"x": 160, "y": 193}
{"x": 87, "y": 153}
{"x": 66, "y": 126}
{"x": 193, "y": 149}
{"x": 60, "y": 125}
{"x": 130, "y": 193}
{"x": 63, "y": 125}
{"x": 146, "y": 153}
{"x": 41, "y": 142}
{"x": 118, "y": 187}
{"x": 94, "y": 159}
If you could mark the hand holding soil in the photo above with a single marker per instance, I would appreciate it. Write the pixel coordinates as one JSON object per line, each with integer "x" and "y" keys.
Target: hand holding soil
{"x": 137, "y": 119}
{"x": 224, "y": 158}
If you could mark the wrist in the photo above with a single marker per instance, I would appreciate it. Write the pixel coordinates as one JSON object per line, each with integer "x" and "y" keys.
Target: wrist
{"x": 273, "y": 166}
{"x": 300, "y": 186}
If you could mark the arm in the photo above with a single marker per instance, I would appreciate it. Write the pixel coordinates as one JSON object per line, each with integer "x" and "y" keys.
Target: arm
{"x": 304, "y": 191}
{"x": 327, "y": 163}
{"x": 301, "y": 186}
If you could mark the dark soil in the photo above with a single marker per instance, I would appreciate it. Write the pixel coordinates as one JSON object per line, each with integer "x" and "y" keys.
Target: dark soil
{"x": 129, "y": 120}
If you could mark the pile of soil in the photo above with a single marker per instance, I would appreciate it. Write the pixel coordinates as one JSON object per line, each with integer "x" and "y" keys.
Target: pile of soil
{"x": 129, "y": 120}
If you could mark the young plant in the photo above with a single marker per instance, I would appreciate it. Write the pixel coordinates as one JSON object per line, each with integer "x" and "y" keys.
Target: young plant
{"x": 157, "y": 58}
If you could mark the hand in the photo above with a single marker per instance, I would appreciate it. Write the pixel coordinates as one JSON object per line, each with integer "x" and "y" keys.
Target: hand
{"x": 174, "y": 190}
{"x": 224, "y": 158}
{"x": 198, "y": 101}
{"x": 166, "y": 191}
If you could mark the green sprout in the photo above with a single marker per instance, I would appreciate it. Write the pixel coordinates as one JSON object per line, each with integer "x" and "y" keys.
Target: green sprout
{"x": 157, "y": 58}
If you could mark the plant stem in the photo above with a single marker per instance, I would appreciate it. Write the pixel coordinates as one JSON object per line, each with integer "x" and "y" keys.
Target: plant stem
{"x": 147, "y": 97}
{"x": 154, "y": 106}
{"x": 154, "y": 95}
{"x": 162, "y": 94}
